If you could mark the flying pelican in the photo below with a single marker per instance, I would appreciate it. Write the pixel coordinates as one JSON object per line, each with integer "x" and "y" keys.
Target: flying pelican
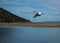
{"x": 38, "y": 13}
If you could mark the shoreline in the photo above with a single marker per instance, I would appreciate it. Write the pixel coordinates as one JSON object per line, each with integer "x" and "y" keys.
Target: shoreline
{"x": 31, "y": 24}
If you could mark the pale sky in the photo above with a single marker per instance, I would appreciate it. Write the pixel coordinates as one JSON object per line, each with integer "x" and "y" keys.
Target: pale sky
{"x": 25, "y": 8}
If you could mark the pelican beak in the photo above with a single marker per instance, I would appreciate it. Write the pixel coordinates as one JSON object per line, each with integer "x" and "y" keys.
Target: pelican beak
{"x": 42, "y": 14}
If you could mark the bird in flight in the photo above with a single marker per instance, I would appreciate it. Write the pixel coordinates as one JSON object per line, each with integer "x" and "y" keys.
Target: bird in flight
{"x": 37, "y": 14}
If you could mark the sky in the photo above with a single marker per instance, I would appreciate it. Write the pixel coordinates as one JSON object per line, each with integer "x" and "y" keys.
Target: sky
{"x": 25, "y": 8}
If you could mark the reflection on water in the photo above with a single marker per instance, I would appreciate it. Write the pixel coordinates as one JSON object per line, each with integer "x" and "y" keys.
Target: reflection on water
{"x": 26, "y": 34}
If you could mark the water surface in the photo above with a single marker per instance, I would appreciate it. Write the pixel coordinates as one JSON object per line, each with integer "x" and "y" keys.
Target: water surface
{"x": 28, "y": 34}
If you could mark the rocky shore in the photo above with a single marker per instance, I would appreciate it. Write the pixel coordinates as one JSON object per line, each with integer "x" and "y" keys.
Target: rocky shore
{"x": 31, "y": 24}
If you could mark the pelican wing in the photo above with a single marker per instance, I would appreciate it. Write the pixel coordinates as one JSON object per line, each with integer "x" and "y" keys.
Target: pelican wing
{"x": 36, "y": 15}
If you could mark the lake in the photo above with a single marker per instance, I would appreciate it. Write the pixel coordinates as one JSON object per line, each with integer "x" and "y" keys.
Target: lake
{"x": 29, "y": 34}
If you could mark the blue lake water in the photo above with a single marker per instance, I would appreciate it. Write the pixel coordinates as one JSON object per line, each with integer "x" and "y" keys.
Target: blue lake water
{"x": 28, "y": 34}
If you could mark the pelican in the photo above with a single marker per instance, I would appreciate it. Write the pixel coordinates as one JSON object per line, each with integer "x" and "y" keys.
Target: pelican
{"x": 37, "y": 14}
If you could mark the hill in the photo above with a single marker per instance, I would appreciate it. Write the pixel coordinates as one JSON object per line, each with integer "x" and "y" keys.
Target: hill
{"x": 6, "y": 16}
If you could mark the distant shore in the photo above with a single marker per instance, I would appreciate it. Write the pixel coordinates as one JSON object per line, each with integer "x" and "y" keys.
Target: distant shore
{"x": 31, "y": 24}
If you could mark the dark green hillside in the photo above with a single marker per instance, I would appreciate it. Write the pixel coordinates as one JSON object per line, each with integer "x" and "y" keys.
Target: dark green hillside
{"x": 6, "y": 16}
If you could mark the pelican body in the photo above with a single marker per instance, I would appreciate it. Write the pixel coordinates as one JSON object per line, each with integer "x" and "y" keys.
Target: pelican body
{"x": 38, "y": 14}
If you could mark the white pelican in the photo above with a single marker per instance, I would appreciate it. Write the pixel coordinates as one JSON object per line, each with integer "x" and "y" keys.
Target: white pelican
{"x": 38, "y": 13}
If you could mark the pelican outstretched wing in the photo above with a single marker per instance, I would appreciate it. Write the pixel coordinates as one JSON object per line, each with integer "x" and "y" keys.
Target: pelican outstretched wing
{"x": 35, "y": 16}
